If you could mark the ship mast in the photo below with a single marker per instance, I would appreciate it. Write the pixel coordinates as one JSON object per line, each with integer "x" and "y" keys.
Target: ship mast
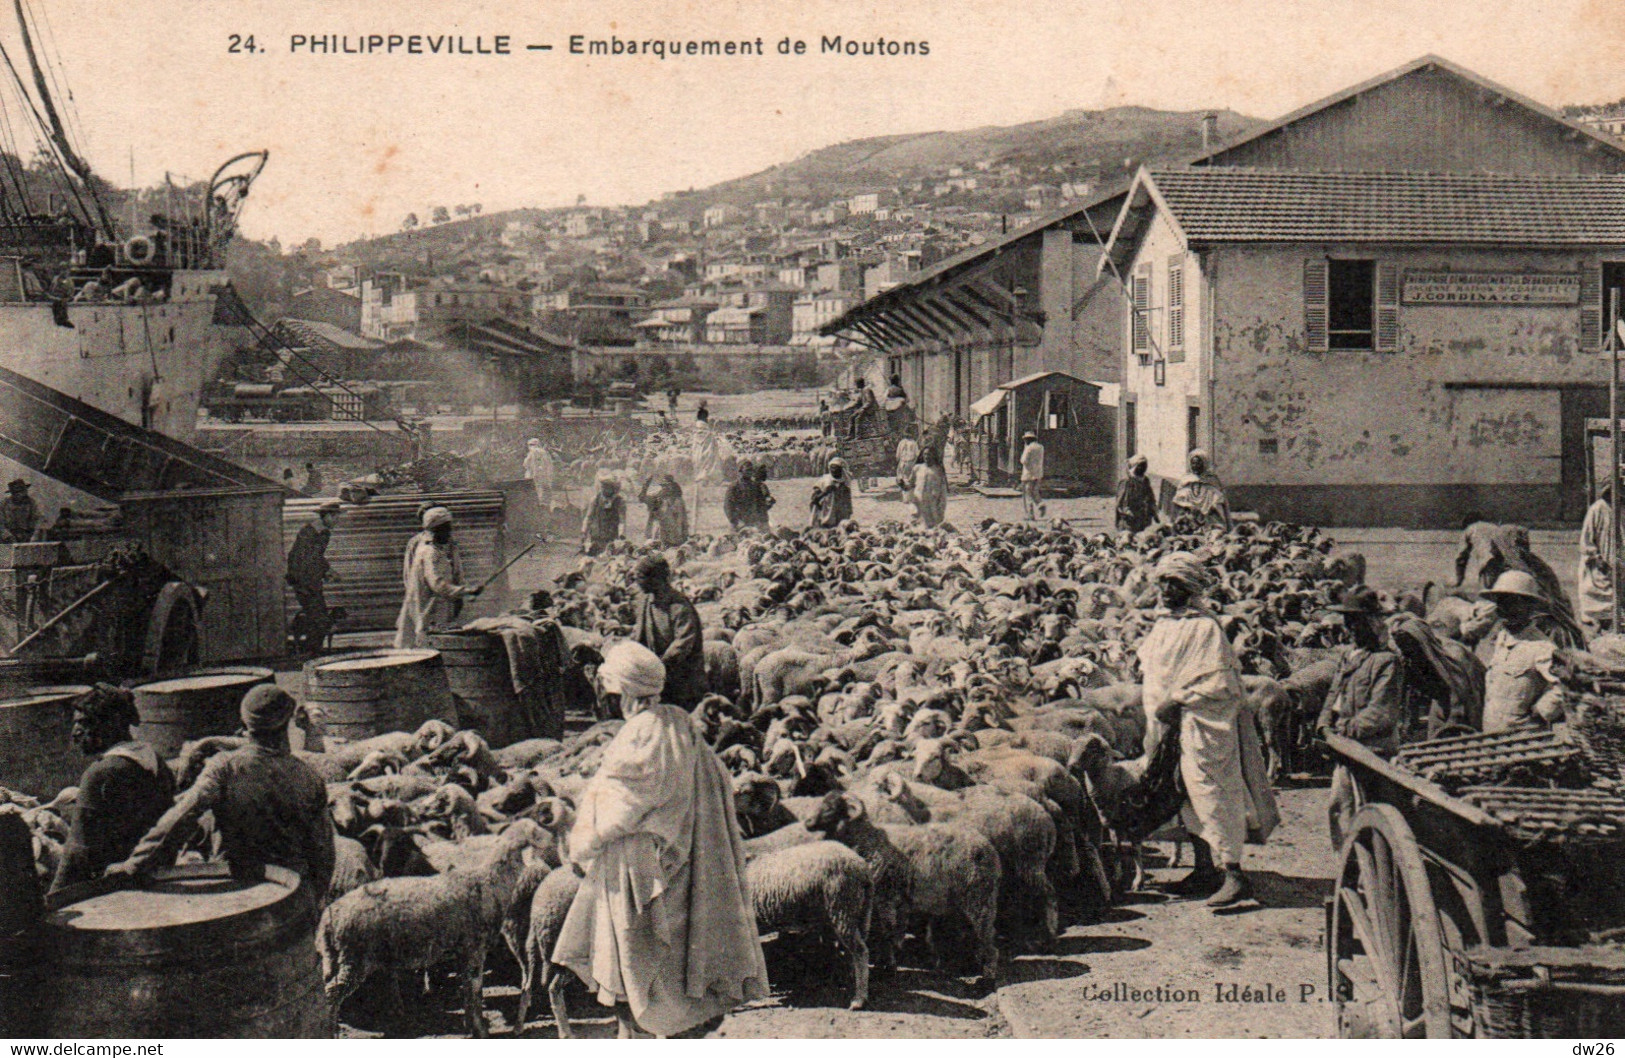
{"x": 59, "y": 135}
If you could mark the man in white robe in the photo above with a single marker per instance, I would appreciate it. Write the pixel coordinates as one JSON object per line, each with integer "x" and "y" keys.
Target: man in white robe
{"x": 434, "y": 588}
{"x": 1595, "y": 577}
{"x": 540, "y": 472}
{"x": 662, "y": 927}
{"x": 1191, "y": 677}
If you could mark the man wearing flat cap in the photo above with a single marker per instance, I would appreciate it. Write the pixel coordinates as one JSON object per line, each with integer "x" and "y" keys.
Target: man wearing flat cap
{"x": 434, "y": 587}
{"x": 1366, "y": 699}
{"x": 270, "y": 807}
{"x": 309, "y": 571}
{"x": 126, "y": 789}
{"x": 1192, "y": 679}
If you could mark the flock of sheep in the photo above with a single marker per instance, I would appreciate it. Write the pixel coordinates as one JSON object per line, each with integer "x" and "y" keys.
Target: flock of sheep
{"x": 934, "y": 734}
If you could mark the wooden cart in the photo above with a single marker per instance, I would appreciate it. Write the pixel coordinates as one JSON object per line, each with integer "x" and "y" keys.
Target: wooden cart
{"x": 1450, "y": 921}
{"x": 867, "y": 439}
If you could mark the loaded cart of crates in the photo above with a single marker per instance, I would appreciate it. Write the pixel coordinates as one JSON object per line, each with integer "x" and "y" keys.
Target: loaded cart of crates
{"x": 867, "y": 438}
{"x": 1481, "y": 885}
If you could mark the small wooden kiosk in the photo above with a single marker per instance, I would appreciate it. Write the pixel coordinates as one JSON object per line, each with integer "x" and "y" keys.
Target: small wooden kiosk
{"x": 1075, "y": 429}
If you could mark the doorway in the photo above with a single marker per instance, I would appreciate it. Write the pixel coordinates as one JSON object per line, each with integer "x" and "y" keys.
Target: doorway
{"x": 1131, "y": 430}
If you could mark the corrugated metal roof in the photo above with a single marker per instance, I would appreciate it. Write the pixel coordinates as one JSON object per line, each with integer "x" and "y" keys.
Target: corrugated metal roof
{"x": 1271, "y": 205}
{"x": 318, "y": 331}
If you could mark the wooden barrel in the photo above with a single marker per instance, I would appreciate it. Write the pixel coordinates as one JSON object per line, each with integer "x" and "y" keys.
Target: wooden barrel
{"x": 37, "y": 754}
{"x": 20, "y": 911}
{"x": 372, "y": 692}
{"x": 202, "y": 703}
{"x": 477, "y": 671}
{"x": 195, "y": 954}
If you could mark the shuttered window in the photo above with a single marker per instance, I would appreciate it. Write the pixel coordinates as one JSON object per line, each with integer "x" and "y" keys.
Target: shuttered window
{"x": 1351, "y": 304}
{"x": 1591, "y": 309}
{"x": 1314, "y": 304}
{"x": 1140, "y": 312}
{"x": 1387, "y": 336}
{"x": 1176, "y": 309}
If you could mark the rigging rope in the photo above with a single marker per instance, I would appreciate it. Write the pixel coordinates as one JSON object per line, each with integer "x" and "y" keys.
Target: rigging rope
{"x": 44, "y": 139}
{"x": 272, "y": 342}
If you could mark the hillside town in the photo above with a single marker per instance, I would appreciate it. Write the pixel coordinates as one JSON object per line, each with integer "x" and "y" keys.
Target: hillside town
{"x": 1141, "y": 574}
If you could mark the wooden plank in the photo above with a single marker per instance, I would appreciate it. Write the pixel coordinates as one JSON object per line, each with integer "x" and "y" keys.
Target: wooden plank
{"x": 1358, "y": 758}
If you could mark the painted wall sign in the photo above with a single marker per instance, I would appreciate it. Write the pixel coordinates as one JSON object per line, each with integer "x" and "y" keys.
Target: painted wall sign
{"x": 1491, "y": 288}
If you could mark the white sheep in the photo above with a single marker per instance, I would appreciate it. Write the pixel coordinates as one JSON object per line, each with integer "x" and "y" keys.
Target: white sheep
{"x": 548, "y": 907}
{"x": 938, "y": 870}
{"x": 415, "y": 923}
{"x": 821, "y": 887}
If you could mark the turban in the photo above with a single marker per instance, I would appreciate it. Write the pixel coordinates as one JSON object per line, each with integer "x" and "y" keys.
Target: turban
{"x": 436, "y": 516}
{"x": 1185, "y": 568}
{"x": 1138, "y": 461}
{"x": 267, "y": 708}
{"x": 632, "y": 670}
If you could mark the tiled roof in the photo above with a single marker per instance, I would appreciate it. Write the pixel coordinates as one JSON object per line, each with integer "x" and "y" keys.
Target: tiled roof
{"x": 1261, "y": 205}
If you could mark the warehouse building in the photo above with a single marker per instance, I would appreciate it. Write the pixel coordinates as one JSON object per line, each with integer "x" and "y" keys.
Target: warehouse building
{"x": 1385, "y": 309}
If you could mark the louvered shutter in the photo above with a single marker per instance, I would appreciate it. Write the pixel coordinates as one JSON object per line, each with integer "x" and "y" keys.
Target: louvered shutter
{"x": 1176, "y": 309}
{"x": 1591, "y": 309}
{"x": 1386, "y": 339}
{"x": 1314, "y": 304}
{"x": 1140, "y": 310}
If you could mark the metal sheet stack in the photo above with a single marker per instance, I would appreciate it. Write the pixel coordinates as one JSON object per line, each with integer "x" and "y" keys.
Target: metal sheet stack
{"x": 370, "y": 540}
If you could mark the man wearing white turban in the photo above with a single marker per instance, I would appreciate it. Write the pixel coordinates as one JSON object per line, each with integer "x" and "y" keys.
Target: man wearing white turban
{"x": 434, "y": 589}
{"x": 1201, "y": 494}
{"x": 662, "y": 927}
{"x": 1192, "y": 678}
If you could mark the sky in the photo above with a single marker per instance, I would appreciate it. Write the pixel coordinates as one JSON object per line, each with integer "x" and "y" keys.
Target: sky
{"x": 359, "y": 141}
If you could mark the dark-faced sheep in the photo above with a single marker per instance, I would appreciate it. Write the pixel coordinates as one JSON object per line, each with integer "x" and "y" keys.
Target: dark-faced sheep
{"x": 948, "y": 871}
{"x": 1021, "y": 830}
{"x": 415, "y": 923}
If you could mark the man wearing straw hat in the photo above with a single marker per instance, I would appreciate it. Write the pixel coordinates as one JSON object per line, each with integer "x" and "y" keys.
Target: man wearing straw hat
{"x": 1366, "y": 699}
{"x": 434, "y": 588}
{"x": 1032, "y": 477}
{"x": 1520, "y": 689}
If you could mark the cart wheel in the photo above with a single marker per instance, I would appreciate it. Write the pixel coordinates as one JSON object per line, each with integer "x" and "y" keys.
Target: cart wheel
{"x": 171, "y": 641}
{"x": 1384, "y": 948}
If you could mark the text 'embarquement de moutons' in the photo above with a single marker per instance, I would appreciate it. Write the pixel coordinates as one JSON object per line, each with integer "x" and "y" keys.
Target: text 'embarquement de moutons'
{"x": 451, "y": 44}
